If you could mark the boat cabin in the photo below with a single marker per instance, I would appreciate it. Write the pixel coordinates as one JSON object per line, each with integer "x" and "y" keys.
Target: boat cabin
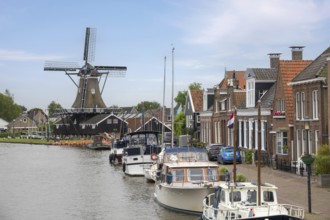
{"x": 187, "y": 165}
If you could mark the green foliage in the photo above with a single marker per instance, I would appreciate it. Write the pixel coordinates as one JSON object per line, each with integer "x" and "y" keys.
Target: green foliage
{"x": 8, "y": 109}
{"x": 146, "y": 105}
{"x": 322, "y": 161}
{"x": 180, "y": 99}
{"x": 53, "y": 107}
{"x": 196, "y": 143}
{"x": 179, "y": 124}
{"x": 222, "y": 170}
{"x": 248, "y": 156}
{"x": 195, "y": 86}
{"x": 241, "y": 178}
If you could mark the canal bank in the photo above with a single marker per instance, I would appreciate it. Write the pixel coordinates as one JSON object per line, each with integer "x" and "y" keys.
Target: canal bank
{"x": 292, "y": 189}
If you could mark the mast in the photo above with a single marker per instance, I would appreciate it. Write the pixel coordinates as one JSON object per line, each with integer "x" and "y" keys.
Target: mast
{"x": 235, "y": 145}
{"x": 163, "y": 116}
{"x": 259, "y": 151}
{"x": 172, "y": 108}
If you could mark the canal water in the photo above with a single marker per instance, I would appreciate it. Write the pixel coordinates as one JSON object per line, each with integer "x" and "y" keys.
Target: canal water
{"x": 69, "y": 183}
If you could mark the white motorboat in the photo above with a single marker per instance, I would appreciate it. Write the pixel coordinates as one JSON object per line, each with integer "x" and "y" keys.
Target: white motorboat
{"x": 141, "y": 152}
{"x": 185, "y": 178}
{"x": 116, "y": 151}
{"x": 239, "y": 201}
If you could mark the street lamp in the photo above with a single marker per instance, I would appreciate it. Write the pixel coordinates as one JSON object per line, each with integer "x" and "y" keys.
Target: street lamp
{"x": 308, "y": 160}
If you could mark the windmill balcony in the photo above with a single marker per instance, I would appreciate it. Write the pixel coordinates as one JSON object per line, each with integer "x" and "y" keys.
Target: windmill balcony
{"x": 279, "y": 114}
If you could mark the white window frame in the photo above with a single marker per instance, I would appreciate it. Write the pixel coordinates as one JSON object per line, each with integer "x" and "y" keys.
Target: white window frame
{"x": 302, "y": 102}
{"x": 298, "y": 144}
{"x": 317, "y": 141}
{"x": 297, "y": 106}
{"x": 315, "y": 104}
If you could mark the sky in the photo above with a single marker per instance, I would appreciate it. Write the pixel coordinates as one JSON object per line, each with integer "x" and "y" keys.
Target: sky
{"x": 199, "y": 38}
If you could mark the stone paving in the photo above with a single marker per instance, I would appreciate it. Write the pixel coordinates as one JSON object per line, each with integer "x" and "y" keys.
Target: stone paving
{"x": 292, "y": 189}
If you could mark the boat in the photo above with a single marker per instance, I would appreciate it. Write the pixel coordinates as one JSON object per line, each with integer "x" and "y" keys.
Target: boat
{"x": 185, "y": 178}
{"x": 116, "y": 151}
{"x": 141, "y": 152}
{"x": 239, "y": 201}
{"x": 151, "y": 173}
{"x": 100, "y": 142}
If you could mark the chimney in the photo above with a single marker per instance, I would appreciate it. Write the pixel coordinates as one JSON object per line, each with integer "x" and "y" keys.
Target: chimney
{"x": 274, "y": 59}
{"x": 297, "y": 52}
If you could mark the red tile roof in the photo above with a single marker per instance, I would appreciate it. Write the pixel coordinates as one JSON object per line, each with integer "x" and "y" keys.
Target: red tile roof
{"x": 288, "y": 69}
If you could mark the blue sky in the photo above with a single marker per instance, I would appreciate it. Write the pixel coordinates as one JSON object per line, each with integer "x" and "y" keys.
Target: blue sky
{"x": 209, "y": 36}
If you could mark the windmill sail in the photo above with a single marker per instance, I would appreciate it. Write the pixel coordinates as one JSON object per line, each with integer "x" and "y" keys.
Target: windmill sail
{"x": 89, "y": 94}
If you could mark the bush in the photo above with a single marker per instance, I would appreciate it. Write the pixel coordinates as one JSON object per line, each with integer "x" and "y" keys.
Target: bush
{"x": 322, "y": 161}
{"x": 241, "y": 178}
{"x": 248, "y": 156}
{"x": 222, "y": 170}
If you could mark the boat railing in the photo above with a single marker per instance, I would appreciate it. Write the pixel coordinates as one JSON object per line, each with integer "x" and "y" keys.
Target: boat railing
{"x": 210, "y": 208}
{"x": 193, "y": 179}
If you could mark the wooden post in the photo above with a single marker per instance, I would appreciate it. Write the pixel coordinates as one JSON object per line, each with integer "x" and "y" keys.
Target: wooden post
{"x": 259, "y": 151}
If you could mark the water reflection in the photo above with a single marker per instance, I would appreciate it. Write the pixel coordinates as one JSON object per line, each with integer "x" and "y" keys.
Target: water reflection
{"x": 54, "y": 182}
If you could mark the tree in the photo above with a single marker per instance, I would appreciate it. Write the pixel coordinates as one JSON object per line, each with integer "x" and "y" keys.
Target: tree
{"x": 180, "y": 99}
{"x": 195, "y": 86}
{"x": 146, "y": 105}
{"x": 8, "y": 109}
{"x": 179, "y": 124}
{"x": 53, "y": 107}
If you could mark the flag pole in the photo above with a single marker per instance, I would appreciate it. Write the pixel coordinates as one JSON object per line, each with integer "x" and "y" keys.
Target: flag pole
{"x": 235, "y": 145}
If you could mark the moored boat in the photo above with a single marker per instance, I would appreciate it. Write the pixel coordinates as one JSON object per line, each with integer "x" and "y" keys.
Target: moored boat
{"x": 116, "y": 151}
{"x": 186, "y": 177}
{"x": 141, "y": 152}
{"x": 99, "y": 143}
{"x": 239, "y": 201}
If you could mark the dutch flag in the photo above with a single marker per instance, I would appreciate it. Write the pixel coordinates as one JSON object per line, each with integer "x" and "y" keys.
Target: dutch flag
{"x": 231, "y": 120}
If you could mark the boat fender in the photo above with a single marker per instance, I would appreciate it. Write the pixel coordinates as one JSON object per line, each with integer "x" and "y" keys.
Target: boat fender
{"x": 154, "y": 156}
{"x": 124, "y": 167}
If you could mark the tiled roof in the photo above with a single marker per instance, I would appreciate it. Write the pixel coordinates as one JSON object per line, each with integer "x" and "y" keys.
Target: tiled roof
{"x": 197, "y": 99}
{"x": 240, "y": 76}
{"x": 268, "y": 99}
{"x": 263, "y": 73}
{"x": 288, "y": 69}
{"x": 316, "y": 69}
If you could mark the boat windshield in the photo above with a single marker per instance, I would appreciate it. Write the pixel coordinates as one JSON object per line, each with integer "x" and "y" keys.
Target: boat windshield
{"x": 120, "y": 144}
{"x": 143, "y": 139}
{"x": 186, "y": 157}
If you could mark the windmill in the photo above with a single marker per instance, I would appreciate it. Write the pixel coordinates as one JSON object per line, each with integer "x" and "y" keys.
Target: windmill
{"x": 89, "y": 94}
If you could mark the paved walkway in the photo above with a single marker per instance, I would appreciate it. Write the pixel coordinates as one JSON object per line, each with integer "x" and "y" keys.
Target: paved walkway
{"x": 292, "y": 189}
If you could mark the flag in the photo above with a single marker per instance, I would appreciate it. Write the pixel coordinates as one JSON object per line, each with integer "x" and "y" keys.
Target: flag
{"x": 230, "y": 123}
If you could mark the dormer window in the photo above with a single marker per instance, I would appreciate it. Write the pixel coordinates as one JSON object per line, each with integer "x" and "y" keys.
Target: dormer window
{"x": 250, "y": 93}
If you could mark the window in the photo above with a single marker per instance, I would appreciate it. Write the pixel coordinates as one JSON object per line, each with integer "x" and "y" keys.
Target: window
{"x": 315, "y": 104}
{"x": 302, "y": 105}
{"x": 317, "y": 133}
{"x": 109, "y": 121}
{"x": 268, "y": 196}
{"x": 282, "y": 142}
{"x": 212, "y": 174}
{"x": 195, "y": 175}
{"x": 261, "y": 93}
{"x": 250, "y": 93}
{"x": 297, "y": 106}
{"x": 223, "y": 196}
{"x": 298, "y": 144}
{"x": 223, "y": 105}
{"x": 235, "y": 196}
{"x": 280, "y": 105}
{"x": 115, "y": 120}
{"x": 198, "y": 118}
{"x": 178, "y": 175}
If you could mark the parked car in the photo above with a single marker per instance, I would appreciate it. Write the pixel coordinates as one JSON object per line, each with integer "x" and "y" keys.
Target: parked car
{"x": 213, "y": 151}
{"x": 226, "y": 155}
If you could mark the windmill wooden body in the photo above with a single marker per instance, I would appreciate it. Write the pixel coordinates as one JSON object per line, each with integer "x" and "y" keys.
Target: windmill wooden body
{"x": 88, "y": 102}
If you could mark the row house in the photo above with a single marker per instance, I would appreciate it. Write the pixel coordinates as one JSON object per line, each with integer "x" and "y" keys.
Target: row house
{"x": 311, "y": 107}
{"x": 245, "y": 91}
{"x": 193, "y": 107}
{"x": 283, "y": 106}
